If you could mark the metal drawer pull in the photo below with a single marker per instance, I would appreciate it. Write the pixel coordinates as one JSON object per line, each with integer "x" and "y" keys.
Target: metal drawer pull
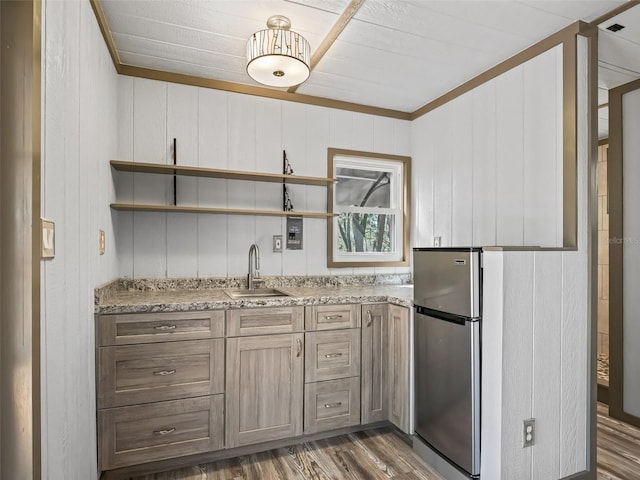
{"x": 369, "y": 318}
{"x": 299, "y": 342}
{"x": 165, "y": 327}
{"x": 163, "y": 373}
{"x": 332, "y": 317}
{"x": 332, "y": 405}
{"x": 164, "y": 431}
{"x": 332, "y": 355}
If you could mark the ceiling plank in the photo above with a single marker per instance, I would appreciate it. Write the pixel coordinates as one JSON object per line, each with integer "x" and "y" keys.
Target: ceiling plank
{"x": 519, "y": 58}
{"x": 106, "y": 34}
{"x": 332, "y": 36}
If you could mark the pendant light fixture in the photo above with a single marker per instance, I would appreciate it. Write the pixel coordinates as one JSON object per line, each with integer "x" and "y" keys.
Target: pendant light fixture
{"x": 278, "y": 57}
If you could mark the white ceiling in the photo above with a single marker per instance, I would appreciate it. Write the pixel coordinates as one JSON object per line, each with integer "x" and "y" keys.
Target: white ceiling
{"x": 393, "y": 54}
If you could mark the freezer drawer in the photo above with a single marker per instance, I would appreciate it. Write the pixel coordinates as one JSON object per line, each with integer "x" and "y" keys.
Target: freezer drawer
{"x": 447, "y": 386}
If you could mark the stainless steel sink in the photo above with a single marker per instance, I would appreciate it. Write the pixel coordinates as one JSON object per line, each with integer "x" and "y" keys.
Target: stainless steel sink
{"x": 256, "y": 293}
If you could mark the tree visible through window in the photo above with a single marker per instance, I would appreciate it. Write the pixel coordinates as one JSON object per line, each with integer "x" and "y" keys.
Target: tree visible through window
{"x": 368, "y": 200}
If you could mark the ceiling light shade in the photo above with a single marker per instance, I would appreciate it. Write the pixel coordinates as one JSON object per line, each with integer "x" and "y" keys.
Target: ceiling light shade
{"x": 278, "y": 57}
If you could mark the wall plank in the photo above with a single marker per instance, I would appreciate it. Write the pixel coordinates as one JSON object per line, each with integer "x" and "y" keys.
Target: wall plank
{"x": 517, "y": 362}
{"x": 509, "y": 158}
{"x": 547, "y": 316}
{"x": 484, "y": 164}
{"x": 461, "y": 144}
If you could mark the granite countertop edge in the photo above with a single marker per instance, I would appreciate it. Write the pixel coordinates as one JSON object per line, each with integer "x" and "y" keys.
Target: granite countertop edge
{"x": 216, "y": 299}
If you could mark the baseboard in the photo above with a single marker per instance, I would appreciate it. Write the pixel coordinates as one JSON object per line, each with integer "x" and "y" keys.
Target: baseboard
{"x": 603, "y": 394}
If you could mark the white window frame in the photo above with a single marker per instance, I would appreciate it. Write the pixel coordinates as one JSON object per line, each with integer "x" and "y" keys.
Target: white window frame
{"x": 399, "y": 168}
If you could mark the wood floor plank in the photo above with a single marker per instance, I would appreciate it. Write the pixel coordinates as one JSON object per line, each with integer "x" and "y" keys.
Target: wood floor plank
{"x": 618, "y": 448}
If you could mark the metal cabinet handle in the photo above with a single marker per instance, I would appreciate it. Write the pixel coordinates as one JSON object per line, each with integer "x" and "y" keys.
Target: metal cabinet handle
{"x": 163, "y": 373}
{"x": 299, "y": 342}
{"x": 369, "y": 318}
{"x": 165, "y": 327}
{"x": 164, "y": 431}
{"x": 332, "y": 405}
{"x": 332, "y": 317}
{"x": 332, "y": 355}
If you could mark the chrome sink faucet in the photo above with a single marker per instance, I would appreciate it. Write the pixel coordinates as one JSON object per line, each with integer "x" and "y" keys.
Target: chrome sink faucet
{"x": 254, "y": 267}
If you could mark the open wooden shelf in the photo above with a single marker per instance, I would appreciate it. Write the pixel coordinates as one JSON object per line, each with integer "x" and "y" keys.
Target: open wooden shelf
{"x": 215, "y": 173}
{"x": 229, "y": 211}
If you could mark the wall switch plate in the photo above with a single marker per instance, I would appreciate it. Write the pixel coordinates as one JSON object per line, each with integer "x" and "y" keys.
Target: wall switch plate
{"x": 102, "y": 242}
{"x": 48, "y": 239}
{"x": 529, "y": 433}
{"x": 437, "y": 241}
{"x": 277, "y": 243}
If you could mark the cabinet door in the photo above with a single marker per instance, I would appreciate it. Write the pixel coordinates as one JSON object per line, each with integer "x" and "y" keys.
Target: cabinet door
{"x": 375, "y": 359}
{"x": 264, "y": 388}
{"x": 398, "y": 381}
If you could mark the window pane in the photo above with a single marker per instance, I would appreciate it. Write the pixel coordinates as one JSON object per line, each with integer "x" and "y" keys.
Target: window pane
{"x": 358, "y": 187}
{"x": 365, "y": 232}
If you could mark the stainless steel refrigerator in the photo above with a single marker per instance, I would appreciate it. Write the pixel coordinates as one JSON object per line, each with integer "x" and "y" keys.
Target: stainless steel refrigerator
{"x": 448, "y": 311}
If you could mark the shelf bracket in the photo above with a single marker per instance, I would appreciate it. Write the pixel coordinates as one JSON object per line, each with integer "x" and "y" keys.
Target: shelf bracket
{"x": 175, "y": 180}
{"x": 287, "y": 206}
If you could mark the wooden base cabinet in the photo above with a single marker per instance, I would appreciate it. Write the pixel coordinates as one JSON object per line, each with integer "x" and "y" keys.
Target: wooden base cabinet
{"x": 398, "y": 365}
{"x": 385, "y": 364}
{"x": 375, "y": 359}
{"x": 264, "y": 388}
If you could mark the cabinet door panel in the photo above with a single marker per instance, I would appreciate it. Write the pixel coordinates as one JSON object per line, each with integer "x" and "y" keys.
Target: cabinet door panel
{"x": 399, "y": 367}
{"x": 375, "y": 359}
{"x": 264, "y": 388}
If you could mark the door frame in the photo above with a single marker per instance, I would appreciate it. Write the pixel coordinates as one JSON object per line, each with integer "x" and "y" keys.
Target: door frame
{"x": 616, "y": 261}
{"x": 20, "y": 207}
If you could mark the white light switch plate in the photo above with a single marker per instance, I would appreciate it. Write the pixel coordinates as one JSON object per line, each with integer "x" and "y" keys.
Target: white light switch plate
{"x": 48, "y": 239}
{"x": 277, "y": 243}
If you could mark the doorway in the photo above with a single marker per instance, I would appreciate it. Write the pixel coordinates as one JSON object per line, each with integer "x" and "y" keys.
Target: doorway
{"x": 20, "y": 239}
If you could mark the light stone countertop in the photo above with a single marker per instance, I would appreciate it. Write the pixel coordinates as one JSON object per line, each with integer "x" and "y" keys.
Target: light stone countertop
{"x": 122, "y": 302}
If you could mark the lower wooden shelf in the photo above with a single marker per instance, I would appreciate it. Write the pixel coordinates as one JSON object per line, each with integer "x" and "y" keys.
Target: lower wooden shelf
{"x": 228, "y": 211}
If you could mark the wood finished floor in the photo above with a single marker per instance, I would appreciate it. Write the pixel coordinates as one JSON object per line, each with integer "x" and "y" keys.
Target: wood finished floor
{"x": 373, "y": 454}
{"x": 381, "y": 454}
{"x": 618, "y": 448}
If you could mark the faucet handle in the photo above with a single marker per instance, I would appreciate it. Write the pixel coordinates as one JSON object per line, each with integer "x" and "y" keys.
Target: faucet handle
{"x": 258, "y": 282}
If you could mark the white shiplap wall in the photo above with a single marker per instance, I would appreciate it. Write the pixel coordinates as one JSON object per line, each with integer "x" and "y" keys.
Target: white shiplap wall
{"x": 230, "y": 131}
{"x": 79, "y": 138}
{"x": 487, "y": 166}
{"x": 536, "y": 354}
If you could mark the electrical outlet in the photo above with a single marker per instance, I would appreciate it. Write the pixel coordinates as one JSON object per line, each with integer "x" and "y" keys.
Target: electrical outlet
{"x": 529, "y": 433}
{"x": 277, "y": 243}
{"x": 101, "y": 242}
{"x": 437, "y": 241}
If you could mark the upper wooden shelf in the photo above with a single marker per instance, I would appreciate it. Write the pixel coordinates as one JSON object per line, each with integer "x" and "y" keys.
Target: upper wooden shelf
{"x": 215, "y": 173}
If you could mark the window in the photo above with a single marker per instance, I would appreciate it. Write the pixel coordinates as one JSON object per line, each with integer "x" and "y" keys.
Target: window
{"x": 370, "y": 226}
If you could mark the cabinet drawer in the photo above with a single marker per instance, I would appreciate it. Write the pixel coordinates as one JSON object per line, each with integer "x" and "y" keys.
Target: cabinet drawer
{"x": 131, "y": 374}
{"x": 332, "y": 355}
{"x": 264, "y": 321}
{"x": 144, "y": 433}
{"x": 159, "y": 327}
{"x": 332, "y": 404}
{"x": 331, "y": 317}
